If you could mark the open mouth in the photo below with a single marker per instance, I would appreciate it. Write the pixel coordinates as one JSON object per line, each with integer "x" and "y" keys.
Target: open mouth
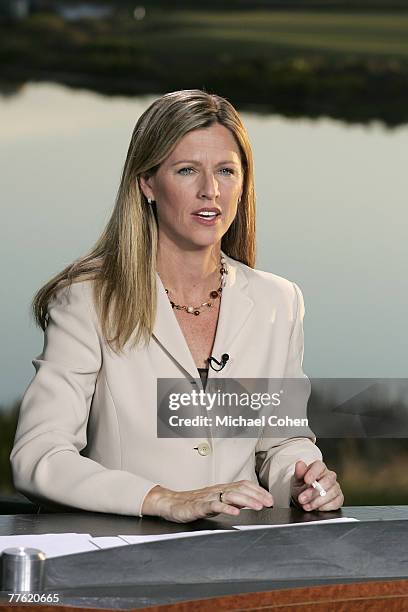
{"x": 207, "y": 215}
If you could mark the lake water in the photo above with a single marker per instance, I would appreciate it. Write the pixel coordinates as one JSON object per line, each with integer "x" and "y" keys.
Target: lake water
{"x": 331, "y": 215}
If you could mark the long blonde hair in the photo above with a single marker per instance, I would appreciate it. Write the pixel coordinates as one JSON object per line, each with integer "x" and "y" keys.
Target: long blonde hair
{"x": 123, "y": 261}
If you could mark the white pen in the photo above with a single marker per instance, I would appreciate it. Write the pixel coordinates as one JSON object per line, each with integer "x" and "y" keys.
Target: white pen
{"x": 318, "y": 486}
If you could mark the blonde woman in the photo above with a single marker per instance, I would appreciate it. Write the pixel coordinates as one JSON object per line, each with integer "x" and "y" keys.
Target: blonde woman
{"x": 170, "y": 283}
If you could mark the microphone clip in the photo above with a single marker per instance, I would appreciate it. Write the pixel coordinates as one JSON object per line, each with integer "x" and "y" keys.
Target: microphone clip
{"x": 221, "y": 364}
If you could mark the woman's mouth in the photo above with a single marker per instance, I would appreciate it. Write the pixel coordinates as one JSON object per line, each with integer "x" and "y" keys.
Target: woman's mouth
{"x": 207, "y": 217}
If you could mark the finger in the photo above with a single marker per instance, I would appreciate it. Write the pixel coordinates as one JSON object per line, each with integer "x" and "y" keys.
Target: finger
{"x": 317, "y": 502}
{"x": 257, "y": 493}
{"x": 217, "y": 507}
{"x": 300, "y": 470}
{"x": 327, "y": 482}
{"x": 315, "y": 471}
{"x": 311, "y": 499}
{"x": 242, "y": 500}
{"x": 255, "y": 488}
{"x": 250, "y": 488}
{"x": 211, "y": 508}
{"x": 334, "y": 504}
{"x": 247, "y": 497}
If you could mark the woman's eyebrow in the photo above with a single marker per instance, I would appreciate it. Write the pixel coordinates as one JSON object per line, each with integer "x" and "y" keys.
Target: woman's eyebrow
{"x": 195, "y": 161}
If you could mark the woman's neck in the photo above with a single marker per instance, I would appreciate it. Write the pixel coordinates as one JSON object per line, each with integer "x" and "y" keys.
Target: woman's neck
{"x": 189, "y": 275}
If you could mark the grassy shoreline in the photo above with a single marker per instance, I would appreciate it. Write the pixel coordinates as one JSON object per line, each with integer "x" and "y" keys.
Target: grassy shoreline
{"x": 350, "y": 66}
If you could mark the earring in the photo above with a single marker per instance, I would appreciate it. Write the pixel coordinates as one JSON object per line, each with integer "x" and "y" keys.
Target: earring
{"x": 150, "y": 200}
{"x": 239, "y": 199}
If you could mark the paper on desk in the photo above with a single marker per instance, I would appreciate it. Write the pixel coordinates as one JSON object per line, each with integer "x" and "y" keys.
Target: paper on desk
{"x": 52, "y": 544}
{"x": 108, "y": 542}
{"x": 139, "y": 539}
{"x": 343, "y": 519}
{"x": 125, "y": 540}
{"x": 59, "y": 544}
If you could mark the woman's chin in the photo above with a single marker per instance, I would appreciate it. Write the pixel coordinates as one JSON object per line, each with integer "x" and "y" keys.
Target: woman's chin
{"x": 206, "y": 241}
{"x": 192, "y": 237}
{"x": 208, "y": 237}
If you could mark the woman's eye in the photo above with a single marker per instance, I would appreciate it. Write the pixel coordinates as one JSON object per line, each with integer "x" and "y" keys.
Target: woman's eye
{"x": 189, "y": 170}
{"x": 228, "y": 170}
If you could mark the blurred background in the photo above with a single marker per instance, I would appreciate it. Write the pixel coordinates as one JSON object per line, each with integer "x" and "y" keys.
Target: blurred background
{"x": 322, "y": 87}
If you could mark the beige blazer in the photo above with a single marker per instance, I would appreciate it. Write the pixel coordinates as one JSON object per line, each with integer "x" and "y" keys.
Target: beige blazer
{"x": 86, "y": 435}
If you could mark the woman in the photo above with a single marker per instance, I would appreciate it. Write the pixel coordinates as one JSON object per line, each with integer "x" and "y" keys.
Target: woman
{"x": 169, "y": 284}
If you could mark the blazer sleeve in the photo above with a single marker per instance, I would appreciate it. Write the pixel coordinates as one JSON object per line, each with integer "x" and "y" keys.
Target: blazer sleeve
{"x": 276, "y": 457}
{"x": 51, "y": 431}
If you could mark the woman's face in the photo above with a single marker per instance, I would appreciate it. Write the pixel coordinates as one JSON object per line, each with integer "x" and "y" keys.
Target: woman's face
{"x": 203, "y": 173}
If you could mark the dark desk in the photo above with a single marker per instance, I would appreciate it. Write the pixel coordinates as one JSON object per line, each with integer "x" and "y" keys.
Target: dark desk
{"x": 208, "y": 566}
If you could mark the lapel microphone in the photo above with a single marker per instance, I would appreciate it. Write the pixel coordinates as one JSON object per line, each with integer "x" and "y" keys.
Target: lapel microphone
{"x": 221, "y": 363}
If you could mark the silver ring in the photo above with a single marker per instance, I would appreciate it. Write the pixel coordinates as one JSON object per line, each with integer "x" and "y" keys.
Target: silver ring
{"x": 220, "y": 496}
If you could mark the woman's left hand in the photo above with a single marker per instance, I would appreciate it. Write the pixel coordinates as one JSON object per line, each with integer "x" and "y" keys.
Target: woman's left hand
{"x": 308, "y": 498}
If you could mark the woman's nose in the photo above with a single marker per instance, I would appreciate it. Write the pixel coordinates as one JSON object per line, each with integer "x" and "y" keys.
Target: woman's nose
{"x": 209, "y": 187}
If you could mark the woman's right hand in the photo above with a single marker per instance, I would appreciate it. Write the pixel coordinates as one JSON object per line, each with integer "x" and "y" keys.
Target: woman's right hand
{"x": 186, "y": 506}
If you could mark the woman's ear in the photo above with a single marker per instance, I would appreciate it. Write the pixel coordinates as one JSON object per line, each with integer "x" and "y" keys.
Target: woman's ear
{"x": 145, "y": 184}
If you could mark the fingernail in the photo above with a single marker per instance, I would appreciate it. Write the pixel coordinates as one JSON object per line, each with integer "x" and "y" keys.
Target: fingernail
{"x": 302, "y": 498}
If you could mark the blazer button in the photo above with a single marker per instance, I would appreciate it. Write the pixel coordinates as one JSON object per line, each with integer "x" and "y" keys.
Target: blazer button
{"x": 203, "y": 449}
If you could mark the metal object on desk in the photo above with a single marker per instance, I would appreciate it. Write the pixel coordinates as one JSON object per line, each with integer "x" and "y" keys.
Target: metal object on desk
{"x": 22, "y": 569}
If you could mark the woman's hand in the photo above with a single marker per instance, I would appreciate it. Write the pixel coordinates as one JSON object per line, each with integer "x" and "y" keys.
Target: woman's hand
{"x": 309, "y": 498}
{"x": 186, "y": 506}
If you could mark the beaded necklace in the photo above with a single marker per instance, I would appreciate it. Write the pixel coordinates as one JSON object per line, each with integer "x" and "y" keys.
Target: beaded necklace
{"x": 214, "y": 295}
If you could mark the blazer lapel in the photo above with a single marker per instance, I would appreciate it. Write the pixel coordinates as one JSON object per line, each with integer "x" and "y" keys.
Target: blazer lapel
{"x": 235, "y": 308}
{"x": 168, "y": 332}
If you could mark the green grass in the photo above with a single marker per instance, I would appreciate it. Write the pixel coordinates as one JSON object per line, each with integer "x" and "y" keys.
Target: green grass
{"x": 339, "y": 33}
